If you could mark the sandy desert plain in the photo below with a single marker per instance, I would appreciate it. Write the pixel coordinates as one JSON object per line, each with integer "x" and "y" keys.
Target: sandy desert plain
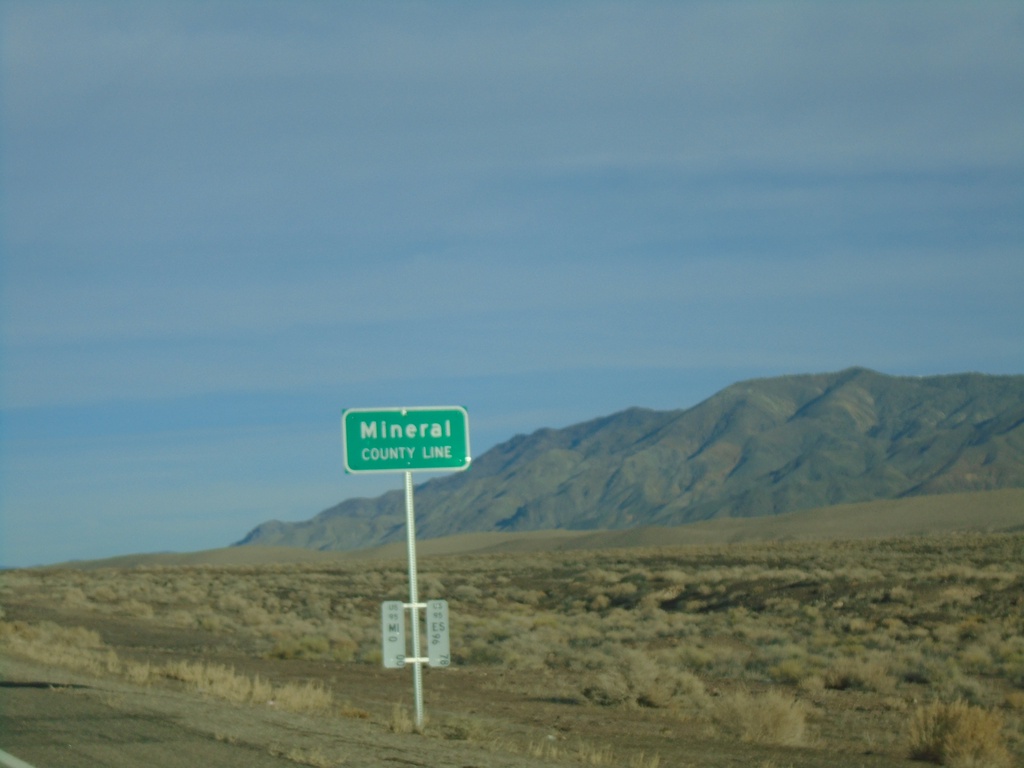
{"x": 886, "y": 634}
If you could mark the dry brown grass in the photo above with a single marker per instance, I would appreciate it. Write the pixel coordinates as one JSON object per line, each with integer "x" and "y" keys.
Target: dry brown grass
{"x": 958, "y": 735}
{"x": 852, "y": 626}
{"x": 767, "y": 718}
{"x": 401, "y": 720}
{"x": 83, "y": 650}
{"x": 314, "y": 757}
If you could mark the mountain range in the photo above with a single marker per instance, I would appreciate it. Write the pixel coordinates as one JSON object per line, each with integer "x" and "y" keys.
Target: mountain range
{"x": 759, "y": 447}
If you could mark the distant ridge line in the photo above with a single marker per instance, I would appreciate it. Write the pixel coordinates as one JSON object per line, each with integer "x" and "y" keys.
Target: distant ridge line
{"x": 762, "y": 447}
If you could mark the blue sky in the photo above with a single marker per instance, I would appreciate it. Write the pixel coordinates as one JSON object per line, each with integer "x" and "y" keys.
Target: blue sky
{"x": 223, "y": 222}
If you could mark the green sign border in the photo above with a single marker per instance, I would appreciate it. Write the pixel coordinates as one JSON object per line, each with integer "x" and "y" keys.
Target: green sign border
{"x": 424, "y": 439}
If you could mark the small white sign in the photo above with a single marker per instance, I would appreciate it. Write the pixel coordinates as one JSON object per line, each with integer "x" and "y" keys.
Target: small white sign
{"x": 438, "y": 639}
{"x": 393, "y": 633}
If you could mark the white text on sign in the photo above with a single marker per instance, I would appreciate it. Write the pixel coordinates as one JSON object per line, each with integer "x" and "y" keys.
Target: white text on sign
{"x": 393, "y": 633}
{"x": 368, "y": 430}
{"x": 438, "y": 635}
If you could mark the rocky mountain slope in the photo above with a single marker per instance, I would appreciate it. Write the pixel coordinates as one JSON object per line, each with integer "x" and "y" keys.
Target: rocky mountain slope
{"x": 760, "y": 447}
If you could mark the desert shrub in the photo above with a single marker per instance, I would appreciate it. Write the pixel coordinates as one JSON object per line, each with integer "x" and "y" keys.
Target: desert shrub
{"x": 430, "y": 585}
{"x": 767, "y": 718}
{"x": 180, "y": 618}
{"x": 254, "y": 616}
{"x": 463, "y": 728}
{"x": 959, "y": 595}
{"x": 314, "y": 757}
{"x": 344, "y": 649}
{"x": 232, "y": 603}
{"x": 581, "y": 752}
{"x": 790, "y": 671}
{"x": 103, "y": 593}
{"x": 71, "y": 647}
{"x": 531, "y": 597}
{"x": 314, "y": 646}
{"x": 697, "y": 657}
{"x": 138, "y": 609}
{"x": 899, "y": 595}
{"x": 916, "y": 667}
{"x": 600, "y": 602}
{"x": 481, "y": 651}
{"x": 139, "y": 673}
{"x": 371, "y": 655}
{"x": 860, "y": 675}
{"x": 212, "y": 622}
{"x": 961, "y": 686}
{"x": 856, "y": 625}
{"x": 621, "y": 590}
{"x": 224, "y": 683}
{"x": 637, "y": 679}
{"x": 74, "y": 597}
{"x": 307, "y": 646}
{"x": 467, "y": 593}
{"x": 608, "y": 687}
{"x": 401, "y": 721}
{"x": 49, "y": 633}
{"x": 305, "y": 697}
{"x": 812, "y": 684}
{"x": 958, "y": 735}
{"x": 215, "y": 680}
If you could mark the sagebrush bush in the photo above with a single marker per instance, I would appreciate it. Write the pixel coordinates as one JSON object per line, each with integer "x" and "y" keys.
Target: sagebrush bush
{"x": 638, "y": 679}
{"x": 858, "y": 674}
{"x": 959, "y": 735}
{"x": 767, "y": 718}
{"x": 303, "y": 697}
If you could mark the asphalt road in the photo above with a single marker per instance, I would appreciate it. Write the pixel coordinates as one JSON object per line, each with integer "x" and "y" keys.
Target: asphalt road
{"x": 73, "y": 727}
{"x": 53, "y": 718}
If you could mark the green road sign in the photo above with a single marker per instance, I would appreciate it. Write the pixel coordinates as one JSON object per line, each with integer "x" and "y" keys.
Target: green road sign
{"x": 405, "y": 439}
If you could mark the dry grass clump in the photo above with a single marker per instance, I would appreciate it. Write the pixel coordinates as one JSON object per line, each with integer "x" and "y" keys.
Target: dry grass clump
{"x": 958, "y": 735}
{"x": 587, "y": 753}
{"x": 859, "y": 675}
{"x": 83, "y": 650}
{"x": 304, "y": 647}
{"x": 401, "y": 721}
{"x": 219, "y": 681}
{"x": 309, "y": 697}
{"x": 72, "y": 647}
{"x": 313, "y": 757}
{"x": 224, "y": 683}
{"x": 637, "y": 679}
{"x": 766, "y": 718}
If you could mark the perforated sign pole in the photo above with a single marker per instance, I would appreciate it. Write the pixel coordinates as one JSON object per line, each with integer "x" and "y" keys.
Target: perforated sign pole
{"x": 408, "y": 440}
{"x": 414, "y": 602}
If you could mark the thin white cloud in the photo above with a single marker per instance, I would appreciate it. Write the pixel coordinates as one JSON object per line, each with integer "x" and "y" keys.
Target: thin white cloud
{"x": 195, "y": 302}
{"x": 467, "y": 317}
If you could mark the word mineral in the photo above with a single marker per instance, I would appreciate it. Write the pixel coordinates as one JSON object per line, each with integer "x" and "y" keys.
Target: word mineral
{"x": 368, "y": 431}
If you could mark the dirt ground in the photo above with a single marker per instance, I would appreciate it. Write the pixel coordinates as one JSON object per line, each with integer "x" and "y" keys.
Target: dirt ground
{"x": 50, "y": 717}
{"x": 480, "y": 712}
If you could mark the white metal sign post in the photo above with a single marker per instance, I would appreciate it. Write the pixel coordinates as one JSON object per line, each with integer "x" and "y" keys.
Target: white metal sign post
{"x": 409, "y": 440}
